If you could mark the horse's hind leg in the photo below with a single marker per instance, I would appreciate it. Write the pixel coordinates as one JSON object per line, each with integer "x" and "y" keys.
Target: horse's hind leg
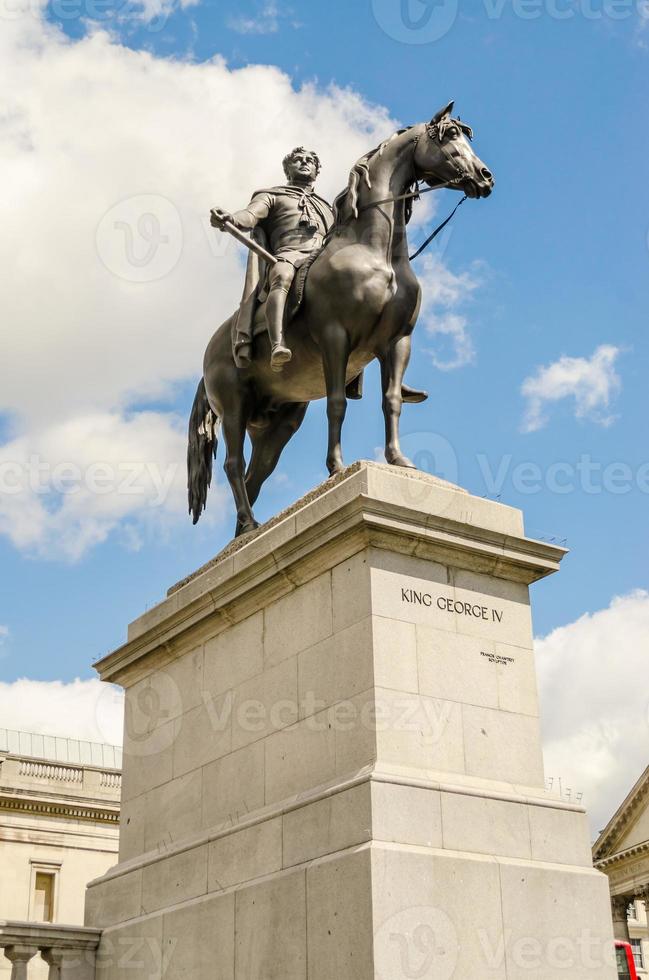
{"x": 234, "y": 433}
{"x": 393, "y": 367}
{"x": 268, "y": 444}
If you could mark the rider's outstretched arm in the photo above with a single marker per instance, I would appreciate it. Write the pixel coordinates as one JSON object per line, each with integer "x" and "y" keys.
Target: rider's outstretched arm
{"x": 248, "y": 218}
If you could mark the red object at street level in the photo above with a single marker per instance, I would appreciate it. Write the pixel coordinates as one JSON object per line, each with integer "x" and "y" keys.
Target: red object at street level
{"x": 625, "y": 962}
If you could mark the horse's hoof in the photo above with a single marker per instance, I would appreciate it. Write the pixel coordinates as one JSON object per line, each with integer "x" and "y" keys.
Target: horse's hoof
{"x": 246, "y": 528}
{"x": 398, "y": 459}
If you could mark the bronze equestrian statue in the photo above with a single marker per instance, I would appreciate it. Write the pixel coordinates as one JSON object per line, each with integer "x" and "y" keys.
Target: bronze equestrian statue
{"x": 354, "y": 298}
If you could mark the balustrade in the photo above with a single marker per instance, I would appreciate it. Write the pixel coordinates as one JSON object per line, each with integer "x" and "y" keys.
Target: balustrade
{"x": 69, "y": 951}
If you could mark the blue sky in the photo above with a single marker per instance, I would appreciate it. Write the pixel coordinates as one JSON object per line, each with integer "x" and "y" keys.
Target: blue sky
{"x": 545, "y": 283}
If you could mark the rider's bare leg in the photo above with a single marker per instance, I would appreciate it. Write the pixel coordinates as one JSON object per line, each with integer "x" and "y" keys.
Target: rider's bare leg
{"x": 280, "y": 279}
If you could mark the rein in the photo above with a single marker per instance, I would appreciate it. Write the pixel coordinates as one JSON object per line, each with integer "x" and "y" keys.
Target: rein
{"x": 417, "y": 194}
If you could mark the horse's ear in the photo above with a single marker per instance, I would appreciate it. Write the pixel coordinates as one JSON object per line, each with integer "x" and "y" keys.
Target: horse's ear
{"x": 443, "y": 113}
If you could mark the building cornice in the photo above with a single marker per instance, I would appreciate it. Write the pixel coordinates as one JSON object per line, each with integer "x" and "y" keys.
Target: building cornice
{"x": 60, "y": 809}
{"x": 624, "y": 816}
{"x": 637, "y": 850}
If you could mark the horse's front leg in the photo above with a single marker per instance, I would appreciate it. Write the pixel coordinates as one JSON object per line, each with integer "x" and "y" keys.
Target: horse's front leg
{"x": 335, "y": 355}
{"x": 393, "y": 367}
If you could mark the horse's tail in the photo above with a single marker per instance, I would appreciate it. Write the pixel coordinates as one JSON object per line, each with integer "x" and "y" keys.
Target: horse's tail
{"x": 201, "y": 449}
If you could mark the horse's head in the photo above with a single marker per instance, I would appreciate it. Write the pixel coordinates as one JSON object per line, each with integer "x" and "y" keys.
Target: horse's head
{"x": 444, "y": 157}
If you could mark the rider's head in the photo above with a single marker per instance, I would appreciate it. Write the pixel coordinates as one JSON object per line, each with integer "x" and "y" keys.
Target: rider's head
{"x": 301, "y": 165}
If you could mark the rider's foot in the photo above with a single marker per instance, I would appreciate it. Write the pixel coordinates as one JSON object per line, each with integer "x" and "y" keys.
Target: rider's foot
{"x": 280, "y": 356}
{"x": 412, "y": 396}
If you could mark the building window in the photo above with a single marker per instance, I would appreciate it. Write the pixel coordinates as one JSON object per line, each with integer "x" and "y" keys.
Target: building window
{"x": 44, "y": 891}
{"x": 636, "y": 946}
{"x": 632, "y": 911}
{"x": 44, "y": 897}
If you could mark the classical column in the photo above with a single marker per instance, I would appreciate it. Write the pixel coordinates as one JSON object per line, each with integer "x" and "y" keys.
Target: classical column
{"x": 54, "y": 959}
{"x": 619, "y": 906}
{"x": 643, "y": 895}
{"x": 20, "y": 957}
{"x": 69, "y": 964}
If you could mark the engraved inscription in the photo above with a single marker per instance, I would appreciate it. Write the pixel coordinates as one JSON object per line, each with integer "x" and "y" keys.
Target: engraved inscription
{"x": 416, "y": 598}
{"x": 495, "y": 658}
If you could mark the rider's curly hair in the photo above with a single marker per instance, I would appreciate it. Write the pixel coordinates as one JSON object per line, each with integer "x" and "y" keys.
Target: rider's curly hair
{"x": 301, "y": 149}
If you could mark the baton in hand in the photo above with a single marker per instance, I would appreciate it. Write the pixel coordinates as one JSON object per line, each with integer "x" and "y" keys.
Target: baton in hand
{"x": 241, "y": 237}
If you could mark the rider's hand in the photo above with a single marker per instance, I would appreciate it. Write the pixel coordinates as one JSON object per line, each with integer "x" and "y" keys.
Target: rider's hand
{"x": 218, "y": 217}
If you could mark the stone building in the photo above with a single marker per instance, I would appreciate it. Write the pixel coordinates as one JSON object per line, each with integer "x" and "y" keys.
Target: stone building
{"x": 59, "y": 827}
{"x": 622, "y": 852}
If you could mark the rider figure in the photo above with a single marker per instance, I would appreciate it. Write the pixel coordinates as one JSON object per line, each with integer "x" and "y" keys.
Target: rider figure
{"x": 295, "y": 221}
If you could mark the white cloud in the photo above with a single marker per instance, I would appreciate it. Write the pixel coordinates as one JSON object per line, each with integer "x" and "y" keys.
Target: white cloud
{"x": 4, "y": 633}
{"x": 88, "y": 710}
{"x": 595, "y": 703}
{"x": 68, "y": 485}
{"x": 592, "y": 382}
{"x": 113, "y": 279}
{"x": 266, "y": 22}
{"x": 444, "y": 293}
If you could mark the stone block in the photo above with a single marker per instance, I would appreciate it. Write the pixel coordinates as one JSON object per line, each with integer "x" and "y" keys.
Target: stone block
{"x": 173, "y": 811}
{"x": 245, "y": 854}
{"x": 517, "y": 686}
{"x": 234, "y": 655}
{"x": 328, "y": 825}
{"x": 432, "y": 912}
{"x": 265, "y": 704}
{"x": 198, "y": 940}
{"x": 335, "y": 669}
{"x": 300, "y": 758}
{"x": 271, "y": 936}
{"x": 115, "y": 899}
{"x": 480, "y": 825}
{"x": 133, "y": 950}
{"x": 456, "y": 667}
{"x": 233, "y": 786}
{"x": 503, "y": 746}
{"x": 418, "y": 732}
{"x": 144, "y": 770}
{"x": 395, "y": 654}
{"x": 406, "y": 815}
{"x": 350, "y": 584}
{"x": 132, "y": 824}
{"x": 205, "y": 735}
{"x": 174, "y": 878}
{"x": 555, "y": 923}
{"x": 340, "y": 926}
{"x": 355, "y": 733}
{"x": 186, "y": 673}
{"x": 560, "y": 836}
{"x": 298, "y": 620}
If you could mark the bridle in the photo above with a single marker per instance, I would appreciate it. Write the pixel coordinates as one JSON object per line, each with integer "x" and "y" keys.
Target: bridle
{"x": 432, "y": 132}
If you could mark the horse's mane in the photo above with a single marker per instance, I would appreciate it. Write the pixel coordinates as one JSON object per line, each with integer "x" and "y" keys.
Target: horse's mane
{"x": 347, "y": 200}
{"x": 346, "y": 203}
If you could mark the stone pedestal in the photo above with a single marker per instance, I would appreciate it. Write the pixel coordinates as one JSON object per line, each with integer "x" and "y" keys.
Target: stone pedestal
{"x": 333, "y": 764}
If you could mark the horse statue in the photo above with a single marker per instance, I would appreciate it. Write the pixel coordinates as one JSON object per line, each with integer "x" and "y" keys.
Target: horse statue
{"x": 361, "y": 300}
